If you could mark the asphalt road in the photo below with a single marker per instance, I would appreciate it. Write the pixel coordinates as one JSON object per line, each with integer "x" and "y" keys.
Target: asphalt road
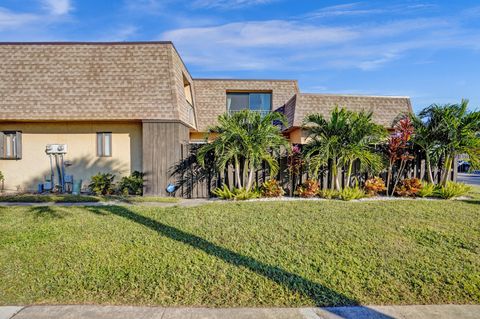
{"x": 472, "y": 179}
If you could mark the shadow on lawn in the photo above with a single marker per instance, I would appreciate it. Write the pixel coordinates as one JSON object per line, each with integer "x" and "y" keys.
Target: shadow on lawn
{"x": 321, "y": 295}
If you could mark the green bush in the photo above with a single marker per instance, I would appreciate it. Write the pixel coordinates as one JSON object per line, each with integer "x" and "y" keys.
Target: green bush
{"x": 242, "y": 194}
{"x": 235, "y": 193}
{"x": 427, "y": 190}
{"x": 452, "y": 190}
{"x": 102, "y": 184}
{"x": 272, "y": 188}
{"x": 327, "y": 193}
{"x": 132, "y": 185}
{"x": 350, "y": 193}
{"x": 2, "y": 178}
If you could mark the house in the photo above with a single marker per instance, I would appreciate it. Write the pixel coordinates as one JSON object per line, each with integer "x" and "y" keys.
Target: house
{"x": 121, "y": 107}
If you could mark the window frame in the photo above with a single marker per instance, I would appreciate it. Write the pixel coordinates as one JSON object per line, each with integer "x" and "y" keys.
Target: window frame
{"x": 248, "y": 93}
{"x": 15, "y": 143}
{"x": 100, "y": 147}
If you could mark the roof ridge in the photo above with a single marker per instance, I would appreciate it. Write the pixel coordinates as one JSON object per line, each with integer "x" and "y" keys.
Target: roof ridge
{"x": 86, "y": 43}
{"x": 356, "y": 95}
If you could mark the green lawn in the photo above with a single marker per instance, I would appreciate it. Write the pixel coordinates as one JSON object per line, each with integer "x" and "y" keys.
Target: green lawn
{"x": 66, "y": 198}
{"x": 243, "y": 254}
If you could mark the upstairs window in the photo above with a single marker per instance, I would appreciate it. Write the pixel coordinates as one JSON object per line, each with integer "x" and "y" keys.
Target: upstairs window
{"x": 11, "y": 145}
{"x": 187, "y": 87}
{"x": 260, "y": 102}
{"x": 104, "y": 144}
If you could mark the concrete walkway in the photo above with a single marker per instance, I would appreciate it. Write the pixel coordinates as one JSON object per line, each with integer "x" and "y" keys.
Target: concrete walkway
{"x": 127, "y": 312}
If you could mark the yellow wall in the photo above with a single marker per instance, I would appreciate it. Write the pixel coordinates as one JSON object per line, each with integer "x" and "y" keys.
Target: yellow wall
{"x": 80, "y": 137}
{"x": 298, "y": 136}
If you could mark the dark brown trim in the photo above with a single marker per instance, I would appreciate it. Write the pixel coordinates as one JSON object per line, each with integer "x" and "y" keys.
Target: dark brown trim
{"x": 259, "y": 80}
{"x": 86, "y": 43}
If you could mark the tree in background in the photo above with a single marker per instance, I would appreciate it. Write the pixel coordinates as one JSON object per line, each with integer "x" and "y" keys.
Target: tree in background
{"x": 451, "y": 130}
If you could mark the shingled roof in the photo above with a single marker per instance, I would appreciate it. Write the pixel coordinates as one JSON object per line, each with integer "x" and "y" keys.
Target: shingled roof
{"x": 91, "y": 81}
{"x": 385, "y": 108}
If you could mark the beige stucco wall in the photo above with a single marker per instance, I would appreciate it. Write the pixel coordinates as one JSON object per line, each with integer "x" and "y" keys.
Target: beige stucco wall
{"x": 80, "y": 137}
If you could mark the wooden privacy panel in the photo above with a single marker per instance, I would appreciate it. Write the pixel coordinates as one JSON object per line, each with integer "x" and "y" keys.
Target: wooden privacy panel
{"x": 162, "y": 148}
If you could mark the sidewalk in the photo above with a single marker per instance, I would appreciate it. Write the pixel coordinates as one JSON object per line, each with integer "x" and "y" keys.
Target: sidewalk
{"x": 127, "y": 312}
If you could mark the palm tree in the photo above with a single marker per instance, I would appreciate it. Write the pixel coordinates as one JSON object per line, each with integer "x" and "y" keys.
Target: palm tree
{"x": 344, "y": 138}
{"x": 455, "y": 131}
{"x": 364, "y": 133}
{"x": 246, "y": 138}
{"x": 425, "y": 138}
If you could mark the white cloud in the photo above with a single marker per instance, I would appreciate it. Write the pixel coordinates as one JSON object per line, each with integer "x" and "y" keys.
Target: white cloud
{"x": 57, "y": 7}
{"x": 10, "y": 19}
{"x": 229, "y": 4}
{"x": 303, "y": 45}
{"x": 348, "y": 9}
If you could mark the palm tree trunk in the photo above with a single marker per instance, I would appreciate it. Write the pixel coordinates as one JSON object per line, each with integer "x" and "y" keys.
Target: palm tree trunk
{"x": 429, "y": 169}
{"x": 237, "y": 173}
{"x": 349, "y": 174}
{"x": 245, "y": 172}
{"x": 335, "y": 172}
{"x": 446, "y": 170}
{"x": 250, "y": 177}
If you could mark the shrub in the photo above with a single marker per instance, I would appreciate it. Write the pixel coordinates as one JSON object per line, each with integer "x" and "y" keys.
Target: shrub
{"x": 327, "y": 193}
{"x": 102, "y": 184}
{"x": 235, "y": 193}
{"x": 243, "y": 194}
{"x": 223, "y": 192}
{"x": 409, "y": 187}
{"x": 2, "y": 178}
{"x": 272, "y": 188}
{"x": 350, "y": 193}
{"x": 308, "y": 189}
{"x": 452, "y": 190}
{"x": 375, "y": 185}
{"x": 132, "y": 185}
{"x": 427, "y": 190}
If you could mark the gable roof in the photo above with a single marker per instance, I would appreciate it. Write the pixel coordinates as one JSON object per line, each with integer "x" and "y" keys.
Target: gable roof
{"x": 85, "y": 81}
{"x": 385, "y": 109}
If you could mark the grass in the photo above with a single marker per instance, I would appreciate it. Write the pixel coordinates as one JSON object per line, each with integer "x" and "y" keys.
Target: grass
{"x": 66, "y": 198}
{"x": 35, "y": 198}
{"x": 243, "y": 254}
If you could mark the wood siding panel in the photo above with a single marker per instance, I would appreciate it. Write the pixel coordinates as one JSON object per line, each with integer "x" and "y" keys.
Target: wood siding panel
{"x": 162, "y": 143}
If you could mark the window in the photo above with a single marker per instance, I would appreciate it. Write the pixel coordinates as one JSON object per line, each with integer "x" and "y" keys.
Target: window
{"x": 188, "y": 90}
{"x": 260, "y": 102}
{"x": 11, "y": 145}
{"x": 104, "y": 144}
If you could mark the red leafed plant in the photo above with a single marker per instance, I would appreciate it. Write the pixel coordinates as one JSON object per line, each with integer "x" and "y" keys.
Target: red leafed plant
{"x": 409, "y": 187}
{"x": 374, "y": 185}
{"x": 309, "y": 188}
{"x": 272, "y": 188}
{"x": 398, "y": 150}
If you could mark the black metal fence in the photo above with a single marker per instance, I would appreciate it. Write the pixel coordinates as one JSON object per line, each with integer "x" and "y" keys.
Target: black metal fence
{"x": 194, "y": 181}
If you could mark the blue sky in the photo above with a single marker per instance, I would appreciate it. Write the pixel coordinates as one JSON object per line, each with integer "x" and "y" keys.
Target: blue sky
{"x": 428, "y": 50}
